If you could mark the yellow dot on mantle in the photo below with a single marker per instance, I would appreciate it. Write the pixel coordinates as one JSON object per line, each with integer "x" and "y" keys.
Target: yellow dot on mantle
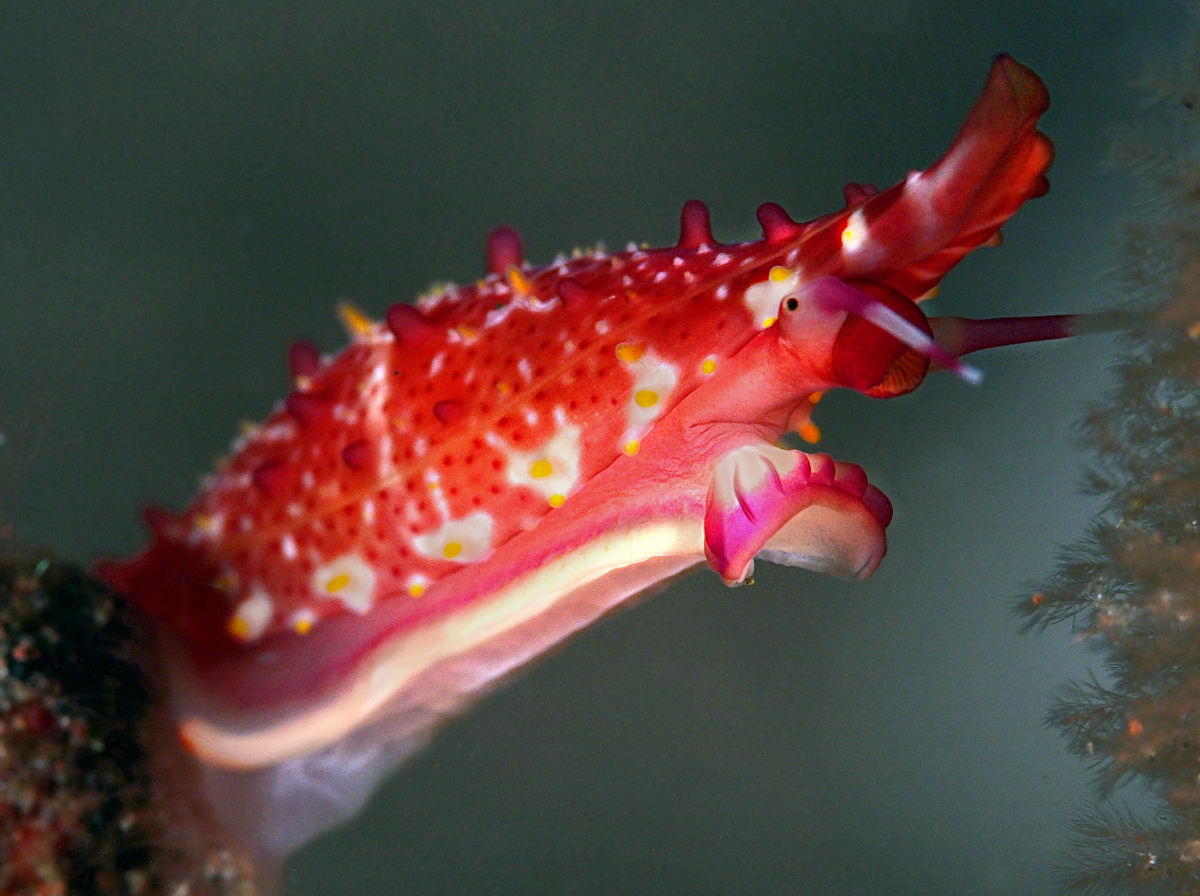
{"x": 239, "y": 628}
{"x": 520, "y": 285}
{"x": 628, "y": 352}
{"x": 646, "y": 398}
{"x": 354, "y": 320}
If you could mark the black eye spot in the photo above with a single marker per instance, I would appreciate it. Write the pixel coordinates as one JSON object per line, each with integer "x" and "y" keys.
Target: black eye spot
{"x": 792, "y": 304}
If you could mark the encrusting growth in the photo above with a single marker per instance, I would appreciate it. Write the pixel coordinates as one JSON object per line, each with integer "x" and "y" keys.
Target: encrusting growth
{"x": 74, "y": 774}
{"x": 96, "y": 796}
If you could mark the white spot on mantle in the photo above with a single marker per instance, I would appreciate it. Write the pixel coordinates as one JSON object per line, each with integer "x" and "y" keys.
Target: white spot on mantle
{"x": 348, "y": 579}
{"x": 461, "y": 541}
{"x": 252, "y": 616}
{"x": 763, "y": 298}
{"x": 551, "y": 470}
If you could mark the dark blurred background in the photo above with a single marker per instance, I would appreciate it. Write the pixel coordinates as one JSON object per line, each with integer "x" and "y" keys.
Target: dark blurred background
{"x": 186, "y": 186}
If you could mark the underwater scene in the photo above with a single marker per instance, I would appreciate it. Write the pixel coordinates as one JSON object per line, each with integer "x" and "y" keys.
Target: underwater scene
{"x": 190, "y": 188}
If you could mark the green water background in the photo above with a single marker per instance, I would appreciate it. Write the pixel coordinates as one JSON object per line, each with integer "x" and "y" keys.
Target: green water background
{"x": 184, "y": 187}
